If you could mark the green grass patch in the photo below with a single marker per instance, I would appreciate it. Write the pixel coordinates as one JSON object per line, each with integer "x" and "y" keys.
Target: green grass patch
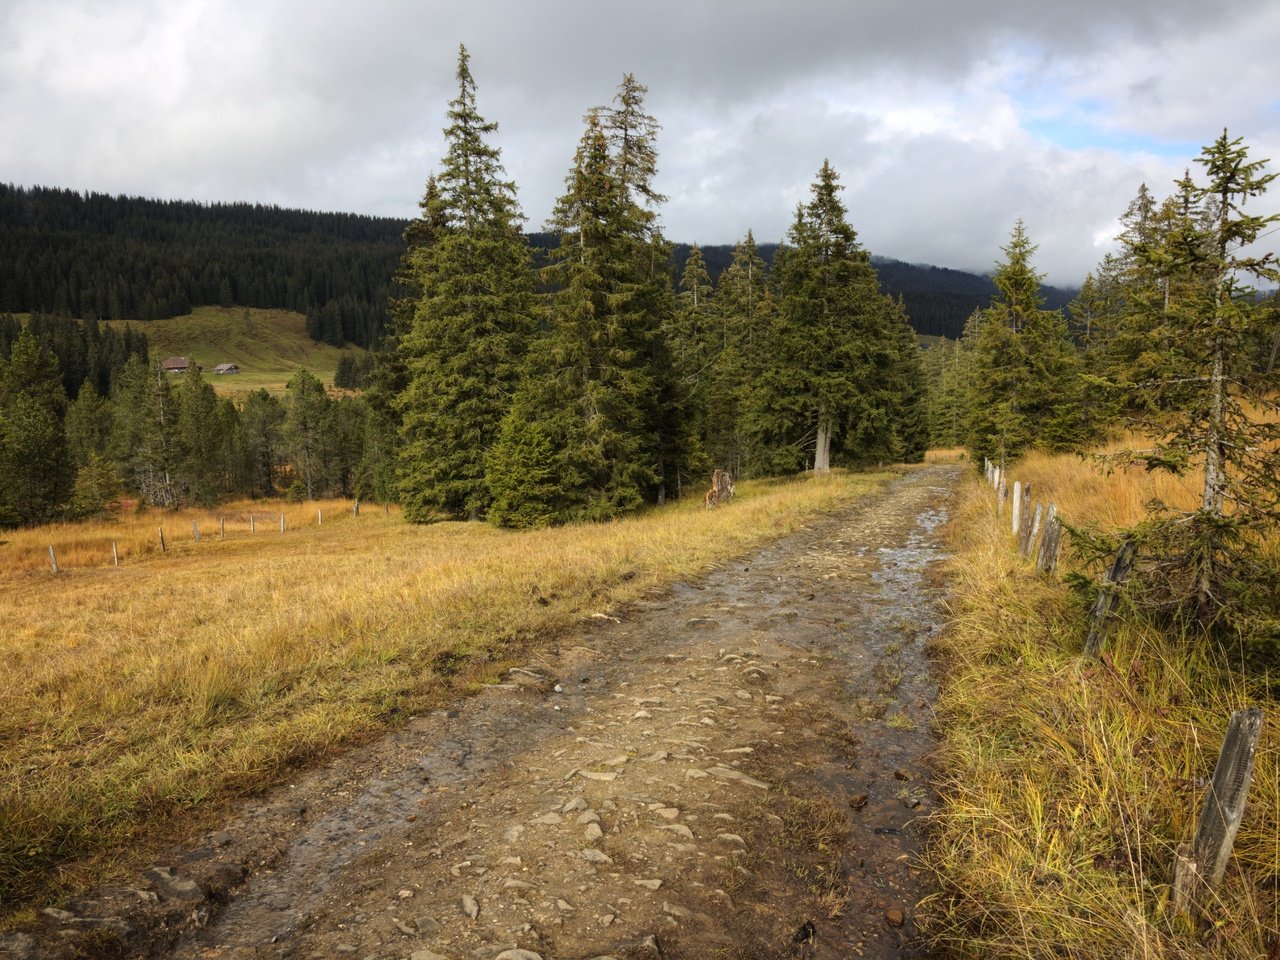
{"x": 269, "y": 346}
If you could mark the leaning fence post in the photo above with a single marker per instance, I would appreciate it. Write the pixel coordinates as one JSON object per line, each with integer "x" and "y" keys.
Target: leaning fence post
{"x": 53, "y": 559}
{"x": 1107, "y": 593}
{"x": 1223, "y": 806}
{"x": 161, "y": 529}
{"x": 115, "y": 553}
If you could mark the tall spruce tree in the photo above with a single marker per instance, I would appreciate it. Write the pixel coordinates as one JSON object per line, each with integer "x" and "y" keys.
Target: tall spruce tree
{"x": 87, "y": 425}
{"x": 34, "y": 460}
{"x": 831, "y": 353}
{"x": 744, "y": 311}
{"x": 1025, "y": 374}
{"x": 599, "y": 408}
{"x": 910, "y": 413}
{"x": 1222, "y": 421}
{"x": 945, "y": 377}
{"x": 304, "y": 431}
{"x": 1122, "y": 307}
{"x": 199, "y": 464}
{"x": 589, "y": 387}
{"x": 471, "y": 323}
{"x": 694, "y": 340}
{"x": 670, "y": 428}
{"x": 143, "y": 437}
{"x": 262, "y": 425}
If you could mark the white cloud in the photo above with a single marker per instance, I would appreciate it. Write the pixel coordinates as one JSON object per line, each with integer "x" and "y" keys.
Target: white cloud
{"x": 947, "y": 121}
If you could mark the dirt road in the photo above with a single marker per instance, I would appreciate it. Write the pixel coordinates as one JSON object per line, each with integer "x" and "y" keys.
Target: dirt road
{"x": 731, "y": 769}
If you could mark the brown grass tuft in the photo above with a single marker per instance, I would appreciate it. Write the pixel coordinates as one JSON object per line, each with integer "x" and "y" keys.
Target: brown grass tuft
{"x": 1068, "y": 786}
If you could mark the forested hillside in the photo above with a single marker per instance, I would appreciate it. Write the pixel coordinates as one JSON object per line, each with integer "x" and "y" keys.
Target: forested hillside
{"x": 126, "y": 258}
{"x": 95, "y": 256}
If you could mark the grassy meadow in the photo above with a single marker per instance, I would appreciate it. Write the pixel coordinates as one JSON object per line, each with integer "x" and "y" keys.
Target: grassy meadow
{"x": 137, "y": 697}
{"x": 269, "y": 346}
{"x": 1068, "y": 786}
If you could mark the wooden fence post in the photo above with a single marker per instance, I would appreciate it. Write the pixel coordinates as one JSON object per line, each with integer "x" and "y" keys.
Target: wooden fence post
{"x": 1108, "y": 590}
{"x": 1223, "y": 808}
{"x": 251, "y": 526}
{"x": 195, "y": 530}
{"x": 319, "y": 518}
{"x": 222, "y": 528}
{"x": 355, "y": 508}
{"x": 1025, "y": 511}
{"x": 115, "y": 553}
{"x": 161, "y": 529}
{"x": 1016, "y": 513}
{"x": 1051, "y": 556}
{"x": 1029, "y": 532}
{"x": 53, "y": 559}
{"x": 282, "y": 521}
{"x": 1047, "y": 558}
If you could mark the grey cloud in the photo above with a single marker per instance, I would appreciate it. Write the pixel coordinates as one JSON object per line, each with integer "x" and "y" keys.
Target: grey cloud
{"x": 338, "y": 106}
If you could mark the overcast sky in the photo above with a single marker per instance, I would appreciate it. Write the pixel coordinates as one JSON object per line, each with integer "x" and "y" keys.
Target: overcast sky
{"x": 947, "y": 120}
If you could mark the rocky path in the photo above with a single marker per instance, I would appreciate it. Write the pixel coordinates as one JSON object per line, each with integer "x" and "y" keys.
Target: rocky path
{"x": 731, "y": 769}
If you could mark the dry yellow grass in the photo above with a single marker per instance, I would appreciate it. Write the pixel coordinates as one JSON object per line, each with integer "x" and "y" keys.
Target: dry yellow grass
{"x": 1068, "y": 786}
{"x": 946, "y": 455}
{"x": 133, "y": 694}
{"x": 136, "y": 534}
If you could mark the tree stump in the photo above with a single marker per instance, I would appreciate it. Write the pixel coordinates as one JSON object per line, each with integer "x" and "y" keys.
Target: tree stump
{"x": 721, "y": 489}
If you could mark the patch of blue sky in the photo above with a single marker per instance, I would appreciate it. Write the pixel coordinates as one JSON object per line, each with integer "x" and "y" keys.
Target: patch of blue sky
{"x": 1074, "y": 134}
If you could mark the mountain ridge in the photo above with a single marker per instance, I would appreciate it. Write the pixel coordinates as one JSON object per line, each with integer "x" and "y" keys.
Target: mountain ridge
{"x": 94, "y": 255}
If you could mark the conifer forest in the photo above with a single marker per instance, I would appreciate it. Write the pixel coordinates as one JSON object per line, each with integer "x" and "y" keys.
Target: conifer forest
{"x": 596, "y": 367}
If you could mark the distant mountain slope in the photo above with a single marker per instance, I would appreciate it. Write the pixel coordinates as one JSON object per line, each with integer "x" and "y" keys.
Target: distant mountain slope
{"x": 95, "y": 255}
{"x": 938, "y": 299}
{"x": 117, "y": 258}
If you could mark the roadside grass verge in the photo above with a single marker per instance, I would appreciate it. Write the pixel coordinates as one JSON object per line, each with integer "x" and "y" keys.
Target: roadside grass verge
{"x": 1066, "y": 786}
{"x": 139, "y": 698}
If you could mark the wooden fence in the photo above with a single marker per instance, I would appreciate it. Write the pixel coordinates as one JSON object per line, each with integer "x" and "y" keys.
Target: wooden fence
{"x": 1199, "y": 864}
{"x": 114, "y": 554}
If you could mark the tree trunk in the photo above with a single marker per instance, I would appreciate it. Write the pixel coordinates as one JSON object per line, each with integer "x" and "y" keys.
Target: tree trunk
{"x": 1215, "y": 442}
{"x": 1214, "y": 495}
{"x": 822, "y": 446}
